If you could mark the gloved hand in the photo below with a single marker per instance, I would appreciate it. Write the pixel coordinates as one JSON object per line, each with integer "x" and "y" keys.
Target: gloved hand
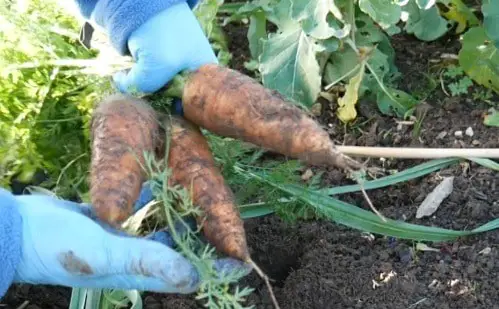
{"x": 64, "y": 244}
{"x": 166, "y": 44}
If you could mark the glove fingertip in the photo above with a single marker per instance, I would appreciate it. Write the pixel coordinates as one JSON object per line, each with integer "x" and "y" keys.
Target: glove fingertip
{"x": 226, "y": 266}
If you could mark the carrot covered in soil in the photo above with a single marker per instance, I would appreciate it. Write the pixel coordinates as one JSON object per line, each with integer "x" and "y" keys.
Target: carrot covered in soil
{"x": 231, "y": 104}
{"x": 122, "y": 129}
{"x": 193, "y": 167}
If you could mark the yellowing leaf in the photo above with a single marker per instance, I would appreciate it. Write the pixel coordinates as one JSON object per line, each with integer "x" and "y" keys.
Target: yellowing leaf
{"x": 346, "y": 111}
{"x": 460, "y": 13}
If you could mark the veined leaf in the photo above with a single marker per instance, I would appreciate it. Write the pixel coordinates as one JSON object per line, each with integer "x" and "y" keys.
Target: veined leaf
{"x": 425, "y": 4}
{"x": 384, "y": 12}
{"x": 479, "y": 58}
{"x": 492, "y": 119}
{"x": 346, "y": 110}
{"x": 288, "y": 64}
{"x": 395, "y": 100}
{"x": 490, "y": 10}
{"x": 256, "y": 33}
{"x": 457, "y": 11}
{"x": 426, "y": 25}
{"x": 206, "y": 13}
{"x": 313, "y": 15}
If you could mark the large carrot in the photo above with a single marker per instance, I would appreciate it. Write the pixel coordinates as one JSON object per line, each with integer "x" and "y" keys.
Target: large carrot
{"x": 193, "y": 167}
{"x": 122, "y": 129}
{"x": 231, "y": 104}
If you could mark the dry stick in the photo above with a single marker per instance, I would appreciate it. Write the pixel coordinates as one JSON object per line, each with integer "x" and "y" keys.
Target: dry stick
{"x": 419, "y": 153}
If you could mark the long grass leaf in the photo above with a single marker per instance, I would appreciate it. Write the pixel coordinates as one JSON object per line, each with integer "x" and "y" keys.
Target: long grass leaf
{"x": 358, "y": 218}
{"x": 255, "y": 210}
{"x": 493, "y": 165}
{"x": 408, "y": 174}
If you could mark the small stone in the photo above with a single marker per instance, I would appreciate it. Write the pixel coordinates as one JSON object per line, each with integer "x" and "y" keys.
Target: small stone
{"x": 469, "y": 131}
{"x": 458, "y": 134}
{"x": 441, "y": 134}
{"x": 307, "y": 175}
{"x": 475, "y": 142}
{"x": 485, "y": 251}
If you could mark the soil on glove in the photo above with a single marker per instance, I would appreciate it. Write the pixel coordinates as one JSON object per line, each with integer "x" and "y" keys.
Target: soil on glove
{"x": 322, "y": 265}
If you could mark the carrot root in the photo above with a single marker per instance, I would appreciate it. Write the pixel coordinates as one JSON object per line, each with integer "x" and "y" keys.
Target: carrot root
{"x": 266, "y": 279}
{"x": 194, "y": 168}
{"x": 231, "y": 104}
{"x": 122, "y": 128}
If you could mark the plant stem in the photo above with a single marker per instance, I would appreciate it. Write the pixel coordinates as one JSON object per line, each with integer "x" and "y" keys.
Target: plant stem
{"x": 418, "y": 153}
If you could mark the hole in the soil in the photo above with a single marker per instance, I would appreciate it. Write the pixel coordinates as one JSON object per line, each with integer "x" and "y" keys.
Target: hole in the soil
{"x": 278, "y": 270}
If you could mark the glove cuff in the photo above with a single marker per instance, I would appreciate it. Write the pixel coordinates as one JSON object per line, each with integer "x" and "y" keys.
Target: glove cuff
{"x": 121, "y": 18}
{"x": 10, "y": 239}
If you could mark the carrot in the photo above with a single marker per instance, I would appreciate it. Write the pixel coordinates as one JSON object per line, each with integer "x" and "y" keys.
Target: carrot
{"x": 192, "y": 166}
{"x": 231, "y": 104}
{"x": 122, "y": 129}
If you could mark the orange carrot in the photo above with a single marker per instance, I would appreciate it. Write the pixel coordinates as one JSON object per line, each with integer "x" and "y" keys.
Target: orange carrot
{"x": 192, "y": 166}
{"x": 231, "y": 104}
{"x": 122, "y": 129}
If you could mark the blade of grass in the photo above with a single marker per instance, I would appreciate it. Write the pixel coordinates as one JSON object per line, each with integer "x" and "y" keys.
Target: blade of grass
{"x": 486, "y": 163}
{"x": 358, "y": 218}
{"x": 255, "y": 210}
{"x": 408, "y": 174}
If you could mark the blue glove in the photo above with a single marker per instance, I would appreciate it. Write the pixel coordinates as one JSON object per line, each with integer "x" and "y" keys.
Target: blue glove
{"x": 64, "y": 244}
{"x": 166, "y": 44}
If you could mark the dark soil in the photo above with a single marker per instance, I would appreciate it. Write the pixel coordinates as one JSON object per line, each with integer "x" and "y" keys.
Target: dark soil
{"x": 322, "y": 265}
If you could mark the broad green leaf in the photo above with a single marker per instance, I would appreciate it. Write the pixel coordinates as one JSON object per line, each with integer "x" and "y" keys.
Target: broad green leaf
{"x": 256, "y": 33}
{"x": 426, "y": 25}
{"x": 492, "y": 119}
{"x": 384, "y": 12}
{"x": 343, "y": 65}
{"x": 457, "y": 11}
{"x": 395, "y": 101}
{"x": 425, "y": 4}
{"x": 346, "y": 110}
{"x": 314, "y": 16}
{"x": 490, "y": 10}
{"x": 206, "y": 12}
{"x": 368, "y": 33}
{"x": 288, "y": 64}
{"x": 479, "y": 58}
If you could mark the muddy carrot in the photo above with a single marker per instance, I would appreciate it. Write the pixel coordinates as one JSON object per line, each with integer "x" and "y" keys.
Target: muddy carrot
{"x": 122, "y": 129}
{"x": 231, "y": 104}
{"x": 192, "y": 166}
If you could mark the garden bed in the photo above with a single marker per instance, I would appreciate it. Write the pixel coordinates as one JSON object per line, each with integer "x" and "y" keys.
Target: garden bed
{"x": 319, "y": 264}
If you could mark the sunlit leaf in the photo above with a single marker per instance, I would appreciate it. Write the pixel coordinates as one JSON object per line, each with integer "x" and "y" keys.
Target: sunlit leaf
{"x": 479, "y": 58}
